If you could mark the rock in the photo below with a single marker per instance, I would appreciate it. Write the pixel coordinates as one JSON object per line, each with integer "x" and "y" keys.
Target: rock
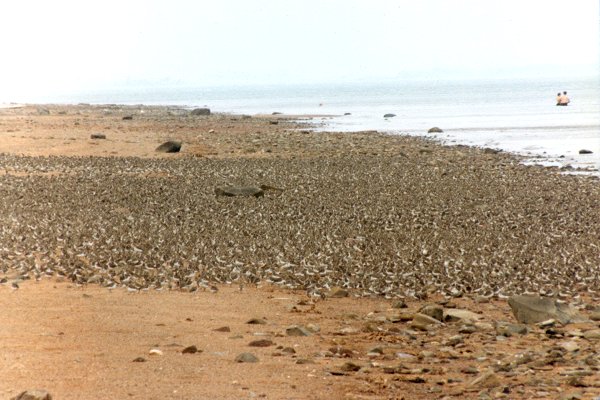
{"x": 274, "y": 122}
{"x": 592, "y": 334}
{"x": 313, "y": 328}
{"x": 33, "y": 395}
{"x": 349, "y": 367}
{"x": 584, "y": 151}
{"x": 347, "y": 113}
{"x": 399, "y": 304}
{"x": 139, "y": 359}
{"x": 570, "y": 346}
{"x": 487, "y": 150}
{"x": 338, "y": 292}
{"x": 231, "y": 191}
{"x": 155, "y": 352}
{"x": 435, "y": 129}
{"x": 434, "y": 311}
{"x": 506, "y": 329}
{"x": 423, "y": 322}
{"x": 200, "y": 111}
{"x": 128, "y": 118}
{"x": 454, "y": 340}
{"x": 288, "y": 350}
{"x": 171, "y": 146}
{"x": 389, "y": 115}
{"x": 457, "y": 314}
{"x": 296, "y": 330}
{"x": 595, "y": 316}
{"x": 246, "y": 358}
{"x": 261, "y": 343}
{"x": 223, "y": 329}
{"x": 97, "y": 136}
{"x": 534, "y": 309}
{"x": 190, "y": 350}
{"x": 43, "y": 111}
{"x": 486, "y": 380}
{"x": 256, "y": 321}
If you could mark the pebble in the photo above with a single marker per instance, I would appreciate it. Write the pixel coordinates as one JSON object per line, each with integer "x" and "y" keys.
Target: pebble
{"x": 155, "y": 352}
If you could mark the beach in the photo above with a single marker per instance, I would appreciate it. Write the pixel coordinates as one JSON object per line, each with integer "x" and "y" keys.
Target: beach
{"x": 111, "y": 250}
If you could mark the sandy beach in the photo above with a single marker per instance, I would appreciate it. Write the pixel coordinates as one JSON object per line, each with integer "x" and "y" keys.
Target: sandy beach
{"x": 114, "y": 258}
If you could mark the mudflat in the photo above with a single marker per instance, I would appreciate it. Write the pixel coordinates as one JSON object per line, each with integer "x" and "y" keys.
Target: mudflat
{"x": 391, "y": 257}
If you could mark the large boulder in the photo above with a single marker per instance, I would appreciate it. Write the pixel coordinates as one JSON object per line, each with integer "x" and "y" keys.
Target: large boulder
{"x": 534, "y": 309}
{"x": 435, "y": 129}
{"x": 231, "y": 191}
{"x": 200, "y": 111}
{"x": 172, "y": 146}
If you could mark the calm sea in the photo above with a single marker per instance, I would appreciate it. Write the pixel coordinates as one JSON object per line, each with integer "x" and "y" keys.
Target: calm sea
{"x": 513, "y": 115}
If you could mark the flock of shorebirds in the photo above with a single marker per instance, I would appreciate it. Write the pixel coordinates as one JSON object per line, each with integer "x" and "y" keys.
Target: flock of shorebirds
{"x": 440, "y": 220}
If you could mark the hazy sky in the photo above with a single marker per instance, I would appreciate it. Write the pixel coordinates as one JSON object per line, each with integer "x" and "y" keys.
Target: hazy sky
{"x": 70, "y": 44}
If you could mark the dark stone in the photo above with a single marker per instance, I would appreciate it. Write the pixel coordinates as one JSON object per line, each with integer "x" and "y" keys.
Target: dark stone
{"x": 347, "y": 113}
{"x": 172, "y": 146}
{"x": 261, "y": 343}
{"x": 200, "y": 111}
{"x": 190, "y": 350}
{"x": 128, "y": 118}
{"x": 435, "y": 129}
{"x": 139, "y": 359}
{"x": 274, "y": 122}
{"x": 487, "y": 150}
{"x": 584, "y": 151}
{"x": 276, "y": 113}
{"x": 256, "y": 321}
{"x": 389, "y": 115}
{"x": 232, "y": 191}
{"x": 97, "y": 136}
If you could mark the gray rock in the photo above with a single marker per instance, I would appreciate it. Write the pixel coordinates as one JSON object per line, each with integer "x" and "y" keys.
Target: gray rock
{"x": 33, "y": 395}
{"x": 506, "y": 329}
{"x": 200, "y": 111}
{"x": 128, "y": 118}
{"x": 584, "y": 151}
{"x": 231, "y": 191}
{"x": 97, "y": 136}
{"x": 172, "y": 146}
{"x": 434, "y": 311}
{"x": 43, "y": 111}
{"x": 534, "y": 309}
{"x": 435, "y": 129}
{"x": 296, "y": 330}
{"x": 389, "y": 115}
{"x": 246, "y": 358}
{"x": 457, "y": 314}
{"x": 423, "y": 322}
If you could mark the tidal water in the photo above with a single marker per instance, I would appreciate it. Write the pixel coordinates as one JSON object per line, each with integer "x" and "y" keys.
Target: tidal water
{"x": 519, "y": 116}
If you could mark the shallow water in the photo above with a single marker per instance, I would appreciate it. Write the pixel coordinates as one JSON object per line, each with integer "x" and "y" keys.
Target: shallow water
{"x": 513, "y": 115}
